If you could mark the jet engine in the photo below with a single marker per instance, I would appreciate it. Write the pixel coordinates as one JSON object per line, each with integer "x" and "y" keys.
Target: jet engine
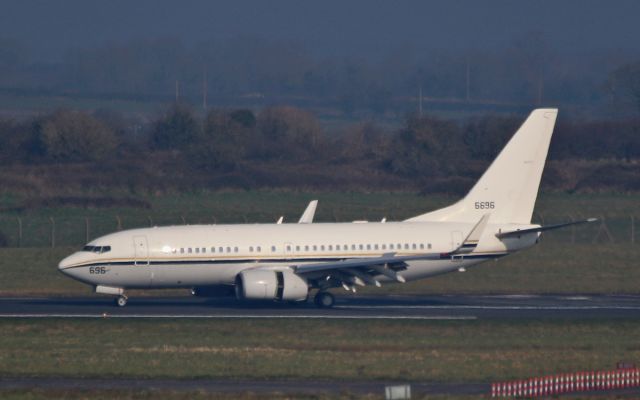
{"x": 262, "y": 284}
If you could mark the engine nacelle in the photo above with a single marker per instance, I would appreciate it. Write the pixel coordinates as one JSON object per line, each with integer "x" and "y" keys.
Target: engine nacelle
{"x": 261, "y": 284}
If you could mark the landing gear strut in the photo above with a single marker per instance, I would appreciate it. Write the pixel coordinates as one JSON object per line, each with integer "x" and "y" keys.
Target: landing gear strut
{"x": 121, "y": 301}
{"x": 324, "y": 300}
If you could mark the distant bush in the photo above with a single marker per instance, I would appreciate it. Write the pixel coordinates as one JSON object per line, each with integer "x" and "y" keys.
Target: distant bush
{"x": 177, "y": 128}
{"x": 73, "y": 136}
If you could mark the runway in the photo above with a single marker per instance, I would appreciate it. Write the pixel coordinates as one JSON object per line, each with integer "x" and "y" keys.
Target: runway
{"x": 432, "y": 307}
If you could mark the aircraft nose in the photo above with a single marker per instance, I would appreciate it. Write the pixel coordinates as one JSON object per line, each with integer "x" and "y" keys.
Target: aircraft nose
{"x": 67, "y": 262}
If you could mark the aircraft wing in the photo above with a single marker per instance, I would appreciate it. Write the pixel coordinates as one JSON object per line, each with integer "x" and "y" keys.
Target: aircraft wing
{"x": 362, "y": 270}
{"x": 385, "y": 259}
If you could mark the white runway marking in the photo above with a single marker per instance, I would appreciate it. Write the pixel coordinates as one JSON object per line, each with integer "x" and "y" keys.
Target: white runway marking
{"x": 230, "y": 316}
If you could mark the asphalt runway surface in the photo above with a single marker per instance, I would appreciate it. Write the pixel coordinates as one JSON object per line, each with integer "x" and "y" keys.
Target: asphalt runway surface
{"x": 436, "y": 307}
{"x": 431, "y": 307}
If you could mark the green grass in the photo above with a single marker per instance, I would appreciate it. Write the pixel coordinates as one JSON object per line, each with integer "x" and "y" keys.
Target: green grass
{"x": 440, "y": 351}
{"x": 582, "y": 259}
{"x": 70, "y": 223}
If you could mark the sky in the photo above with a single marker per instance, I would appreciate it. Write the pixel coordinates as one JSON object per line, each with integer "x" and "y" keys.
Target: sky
{"x": 359, "y": 28}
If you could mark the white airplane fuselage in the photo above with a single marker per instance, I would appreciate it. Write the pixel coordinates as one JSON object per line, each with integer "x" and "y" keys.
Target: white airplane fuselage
{"x": 202, "y": 255}
{"x": 285, "y": 261}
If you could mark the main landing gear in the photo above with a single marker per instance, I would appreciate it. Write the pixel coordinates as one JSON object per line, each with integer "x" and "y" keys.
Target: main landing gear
{"x": 324, "y": 300}
{"x": 121, "y": 301}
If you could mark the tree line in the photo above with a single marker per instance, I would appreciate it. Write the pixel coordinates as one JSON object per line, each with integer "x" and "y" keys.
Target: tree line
{"x": 287, "y": 147}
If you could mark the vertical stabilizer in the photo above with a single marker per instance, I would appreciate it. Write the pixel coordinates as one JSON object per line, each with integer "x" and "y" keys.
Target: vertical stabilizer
{"x": 509, "y": 187}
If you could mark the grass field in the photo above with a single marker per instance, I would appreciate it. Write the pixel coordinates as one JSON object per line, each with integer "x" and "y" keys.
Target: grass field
{"x": 582, "y": 260}
{"x": 565, "y": 262}
{"x": 440, "y": 351}
{"x": 70, "y": 223}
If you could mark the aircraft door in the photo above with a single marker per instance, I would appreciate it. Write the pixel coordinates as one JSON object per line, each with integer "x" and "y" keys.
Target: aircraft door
{"x": 141, "y": 250}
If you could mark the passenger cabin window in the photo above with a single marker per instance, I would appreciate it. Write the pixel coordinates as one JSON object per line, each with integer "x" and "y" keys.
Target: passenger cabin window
{"x": 204, "y": 250}
{"x": 273, "y": 248}
{"x": 429, "y": 245}
{"x": 235, "y": 249}
{"x": 213, "y": 249}
{"x": 182, "y": 250}
{"x": 197, "y": 249}
{"x": 259, "y": 249}
{"x": 220, "y": 249}
{"x": 190, "y": 250}
{"x": 250, "y": 249}
{"x": 413, "y": 246}
{"x": 228, "y": 249}
{"x": 421, "y": 246}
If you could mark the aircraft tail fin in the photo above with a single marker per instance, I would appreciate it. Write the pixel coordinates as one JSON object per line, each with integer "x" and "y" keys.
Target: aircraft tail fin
{"x": 509, "y": 187}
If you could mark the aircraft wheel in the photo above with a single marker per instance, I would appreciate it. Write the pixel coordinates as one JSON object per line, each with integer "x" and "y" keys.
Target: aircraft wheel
{"x": 324, "y": 300}
{"x": 121, "y": 301}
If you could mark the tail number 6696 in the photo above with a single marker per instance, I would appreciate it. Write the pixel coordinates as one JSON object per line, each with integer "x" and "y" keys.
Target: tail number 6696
{"x": 485, "y": 205}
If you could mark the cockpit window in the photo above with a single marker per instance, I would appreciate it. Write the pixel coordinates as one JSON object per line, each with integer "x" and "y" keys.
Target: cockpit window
{"x": 97, "y": 249}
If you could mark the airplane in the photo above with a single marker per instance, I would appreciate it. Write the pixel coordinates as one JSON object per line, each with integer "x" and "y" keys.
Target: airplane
{"x": 286, "y": 262}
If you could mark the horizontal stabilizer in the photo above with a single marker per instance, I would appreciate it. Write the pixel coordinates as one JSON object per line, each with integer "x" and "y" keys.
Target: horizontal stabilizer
{"x": 519, "y": 232}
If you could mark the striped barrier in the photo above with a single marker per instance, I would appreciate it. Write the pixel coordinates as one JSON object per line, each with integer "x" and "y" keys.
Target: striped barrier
{"x": 584, "y": 381}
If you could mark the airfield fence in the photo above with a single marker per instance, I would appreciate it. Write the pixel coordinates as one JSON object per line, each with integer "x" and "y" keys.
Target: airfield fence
{"x": 66, "y": 231}
{"x": 575, "y": 382}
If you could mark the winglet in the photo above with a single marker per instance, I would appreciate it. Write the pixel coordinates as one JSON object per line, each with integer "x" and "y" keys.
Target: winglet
{"x": 309, "y": 213}
{"x": 471, "y": 242}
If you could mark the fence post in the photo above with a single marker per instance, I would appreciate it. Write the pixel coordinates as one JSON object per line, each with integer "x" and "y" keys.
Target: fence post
{"x": 633, "y": 230}
{"x": 184, "y": 221}
{"x": 86, "y": 229}
{"x": 19, "y": 232}
{"x": 53, "y": 232}
{"x": 150, "y": 221}
{"x": 119, "y": 222}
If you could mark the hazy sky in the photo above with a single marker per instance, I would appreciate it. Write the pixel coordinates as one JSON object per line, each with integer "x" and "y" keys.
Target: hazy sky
{"x": 360, "y": 28}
